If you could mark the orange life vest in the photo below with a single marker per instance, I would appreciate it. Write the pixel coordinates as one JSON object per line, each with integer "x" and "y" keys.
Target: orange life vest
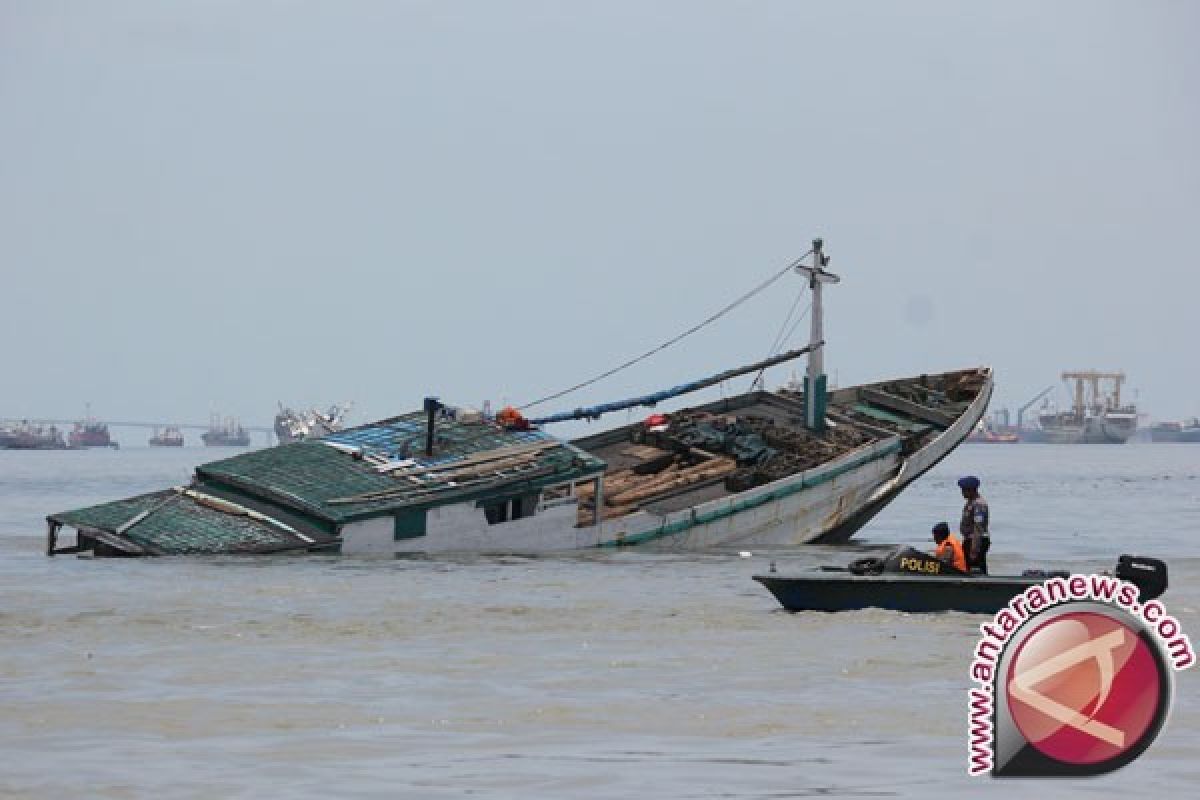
{"x": 951, "y": 545}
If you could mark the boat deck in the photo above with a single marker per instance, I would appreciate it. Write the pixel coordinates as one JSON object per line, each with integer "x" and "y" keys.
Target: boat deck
{"x": 700, "y": 454}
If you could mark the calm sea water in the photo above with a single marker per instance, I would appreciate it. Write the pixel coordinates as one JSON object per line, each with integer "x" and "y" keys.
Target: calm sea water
{"x": 624, "y": 674}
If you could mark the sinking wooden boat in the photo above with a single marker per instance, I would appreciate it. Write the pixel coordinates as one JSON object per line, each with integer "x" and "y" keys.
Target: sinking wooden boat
{"x": 800, "y": 464}
{"x": 914, "y": 582}
{"x": 372, "y": 489}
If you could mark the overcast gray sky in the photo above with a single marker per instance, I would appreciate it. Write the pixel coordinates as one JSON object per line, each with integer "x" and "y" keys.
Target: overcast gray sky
{"x": 218, "y": 205}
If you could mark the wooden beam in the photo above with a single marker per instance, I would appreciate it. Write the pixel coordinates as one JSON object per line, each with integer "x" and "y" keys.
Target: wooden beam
{"x": 598, "y": 512}
{"x": 481, "y": 458}
{"x": 899, "y": 404}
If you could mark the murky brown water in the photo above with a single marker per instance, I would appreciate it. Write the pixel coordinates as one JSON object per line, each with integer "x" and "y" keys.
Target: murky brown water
{"x": 626, "y": 674}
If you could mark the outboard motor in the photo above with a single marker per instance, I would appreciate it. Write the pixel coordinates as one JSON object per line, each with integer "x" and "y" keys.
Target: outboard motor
{"x": 1148, "y": 574}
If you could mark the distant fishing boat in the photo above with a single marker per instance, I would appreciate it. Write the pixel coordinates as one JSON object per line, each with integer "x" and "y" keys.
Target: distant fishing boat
{"x": 762, "y": 467}
{"x": 225, "y": 433}
{"x": 169, "y": 436}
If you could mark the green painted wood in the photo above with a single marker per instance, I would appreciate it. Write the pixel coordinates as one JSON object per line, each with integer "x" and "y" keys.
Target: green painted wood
{"x": 905, "y": 423}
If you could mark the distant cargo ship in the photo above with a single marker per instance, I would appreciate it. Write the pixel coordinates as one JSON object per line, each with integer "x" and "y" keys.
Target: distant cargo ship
{"x": 227, "y": 433}
{"x": 90, "y": 432}
{"x": 1186, "y": 431}
{"x": 167, "y": 437}
{"x": 25, "y": 436}
{"x": 1096, "y": 417}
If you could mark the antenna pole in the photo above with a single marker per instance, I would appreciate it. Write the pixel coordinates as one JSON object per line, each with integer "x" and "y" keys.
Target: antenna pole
{"x": 815, "y": 381}
{"x": 816, "y": 357}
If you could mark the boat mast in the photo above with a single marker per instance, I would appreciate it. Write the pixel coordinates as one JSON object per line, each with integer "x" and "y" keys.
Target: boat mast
{"x": 814, "y": 378}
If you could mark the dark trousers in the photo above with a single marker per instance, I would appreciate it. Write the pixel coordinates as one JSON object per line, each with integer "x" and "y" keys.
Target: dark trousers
{"x": 978, "y": 561}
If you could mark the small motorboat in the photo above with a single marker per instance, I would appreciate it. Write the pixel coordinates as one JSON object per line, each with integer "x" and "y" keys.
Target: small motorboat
{"x": 909, "y": 580}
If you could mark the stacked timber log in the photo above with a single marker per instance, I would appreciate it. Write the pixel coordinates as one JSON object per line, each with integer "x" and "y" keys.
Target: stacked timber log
{"x": 672, "y": 479}
{"x": 628, "y": 489}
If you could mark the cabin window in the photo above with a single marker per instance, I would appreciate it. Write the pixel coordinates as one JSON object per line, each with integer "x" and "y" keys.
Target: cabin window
{"x": 500, "y": 511}
{"x": 409, "y": 525}
{"x": 523, "y": 506}
{"x": 496, "y": 513}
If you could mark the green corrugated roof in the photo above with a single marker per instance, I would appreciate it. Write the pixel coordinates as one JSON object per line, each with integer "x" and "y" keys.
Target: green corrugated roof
{"x": 307, "y": 475}
{"x": 302, "y": 521}
{"x": 303, "y": 475}
{"x": 110, "y": 516}
{"x": 179, "y": 524}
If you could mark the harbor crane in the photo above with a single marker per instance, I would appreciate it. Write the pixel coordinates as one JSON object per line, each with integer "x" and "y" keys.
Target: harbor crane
{"x": 1021, "y": 411}
{"x": 1093, "y": 378}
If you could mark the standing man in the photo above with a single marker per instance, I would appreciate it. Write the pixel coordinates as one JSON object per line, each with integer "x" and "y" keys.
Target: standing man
{"x": 974, "y": 524}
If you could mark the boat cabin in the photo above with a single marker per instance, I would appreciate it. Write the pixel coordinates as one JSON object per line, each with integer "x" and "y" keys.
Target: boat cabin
{"x": 419, "y": 481}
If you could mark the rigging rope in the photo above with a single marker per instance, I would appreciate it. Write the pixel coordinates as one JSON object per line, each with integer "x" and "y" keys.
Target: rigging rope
{"x": 796, "y": 324}
{"x": 784, "y": 340}
{"x": 761, "y": 287}
{"x": 780, "y": 338}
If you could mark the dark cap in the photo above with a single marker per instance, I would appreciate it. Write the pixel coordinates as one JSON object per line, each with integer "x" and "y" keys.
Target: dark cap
{"x": 941, "y": 529}
{"x": 969, "y": 482}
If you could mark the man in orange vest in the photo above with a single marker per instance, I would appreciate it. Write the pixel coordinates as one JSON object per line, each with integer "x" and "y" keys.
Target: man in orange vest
{"x": 949, "y": 549}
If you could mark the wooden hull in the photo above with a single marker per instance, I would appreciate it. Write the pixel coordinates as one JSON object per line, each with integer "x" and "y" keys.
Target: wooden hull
{"x": 796, "y": 510}
{"x": 828, "y": 503}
